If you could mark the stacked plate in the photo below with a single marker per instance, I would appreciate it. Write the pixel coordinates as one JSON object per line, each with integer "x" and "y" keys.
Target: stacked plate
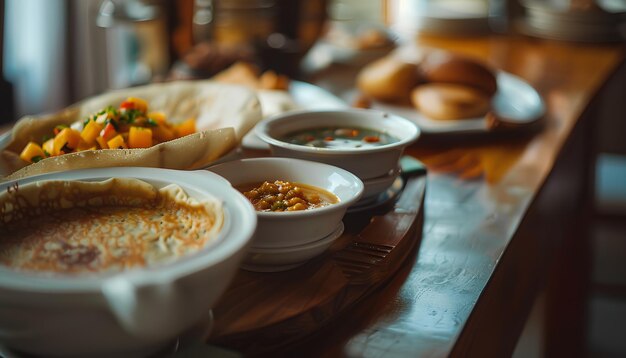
{"x": 375, "y": 190}
{"x": 601, "y": 22}
{"x": 273, "y": 259}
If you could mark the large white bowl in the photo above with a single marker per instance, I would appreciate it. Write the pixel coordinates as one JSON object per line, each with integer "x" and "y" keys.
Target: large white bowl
{"x": 366, "y": 163}
{"x": 283, "y": 229}
{"x": 131, "y": 313}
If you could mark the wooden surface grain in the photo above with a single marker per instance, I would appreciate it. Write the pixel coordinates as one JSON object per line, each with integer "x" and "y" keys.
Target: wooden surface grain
{"x": 497, "y": 211}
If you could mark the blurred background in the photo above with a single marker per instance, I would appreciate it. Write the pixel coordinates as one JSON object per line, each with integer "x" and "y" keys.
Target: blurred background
{"x": 57, "y": 52}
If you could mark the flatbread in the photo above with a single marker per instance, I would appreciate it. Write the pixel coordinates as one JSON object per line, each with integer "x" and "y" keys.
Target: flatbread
{"x": 194, "y": 151}
{"x": 224, "y": 113}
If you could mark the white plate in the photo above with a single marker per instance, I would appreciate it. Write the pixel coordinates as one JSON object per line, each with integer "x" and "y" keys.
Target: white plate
{"x": 516, "y": 101}
{"x": 307, "y": 96}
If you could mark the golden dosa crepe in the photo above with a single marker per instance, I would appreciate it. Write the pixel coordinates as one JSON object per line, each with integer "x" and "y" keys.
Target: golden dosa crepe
{"x": 224, "y": 114}
{"x": 107, "y": 226}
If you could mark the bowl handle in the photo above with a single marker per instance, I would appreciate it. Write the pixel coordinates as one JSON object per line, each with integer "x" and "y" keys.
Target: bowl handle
{"x": 150, "y": 311}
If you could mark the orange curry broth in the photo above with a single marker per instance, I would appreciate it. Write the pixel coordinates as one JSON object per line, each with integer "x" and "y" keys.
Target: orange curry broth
{"x": 281, "y": 195}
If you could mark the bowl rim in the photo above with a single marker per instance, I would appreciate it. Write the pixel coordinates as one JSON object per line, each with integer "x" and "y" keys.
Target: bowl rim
{"x": 263, "y": 130}
{"x": 239, "y": 226}
{"x": 303, "y": 213}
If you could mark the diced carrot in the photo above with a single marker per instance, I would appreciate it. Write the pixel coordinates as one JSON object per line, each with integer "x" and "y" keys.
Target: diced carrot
{"x": 91, "y": 132}
{"x": 108, "y": 132}
{"x": 32, "y": 153}
{"x": 158, "y": 117}
{"x": 67, "y": 137}
{"x": 117, "y": 142}
{"x": 137, "y": 103}
{"x": 139, "y": 137}
{"x": 371, "y": 139}
{"x": 127, "y": 105}
{"x": 185, "y": 128}
{"x": 163, "y": 133}
{"x": 84, "y": 146}
{"x": 59, "y": 128}
{"x": 102, "y": 143}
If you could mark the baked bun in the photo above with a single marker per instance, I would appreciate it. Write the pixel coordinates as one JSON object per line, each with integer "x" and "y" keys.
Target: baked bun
{"x": 388, "y": 80}
{"x": 450, "y": 101}
{"x": 442, "y": 67}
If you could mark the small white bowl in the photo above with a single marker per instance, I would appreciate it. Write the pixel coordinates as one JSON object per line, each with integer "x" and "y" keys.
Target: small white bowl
{"x": 284, "y": 229}
{"x": 366, "y": 163}
{"x": 373, "y": 187}
{"x": 134, "y": 312}
{"x": 286, "y": 258}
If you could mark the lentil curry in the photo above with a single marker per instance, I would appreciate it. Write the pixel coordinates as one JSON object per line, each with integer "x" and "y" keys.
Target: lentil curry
{"x": 286, "y": 196}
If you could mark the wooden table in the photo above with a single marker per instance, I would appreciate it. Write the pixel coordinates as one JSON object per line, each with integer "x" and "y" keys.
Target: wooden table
{"x": 504, "y": 218}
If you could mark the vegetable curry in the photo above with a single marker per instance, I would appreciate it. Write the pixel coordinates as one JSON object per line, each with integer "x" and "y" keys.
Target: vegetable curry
{"x": 130, "y": 125}
{"x": 286, "y": 196}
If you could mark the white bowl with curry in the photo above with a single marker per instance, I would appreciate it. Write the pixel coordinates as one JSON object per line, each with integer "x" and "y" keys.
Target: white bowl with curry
{"x": 296, "y": 201}
{"x": 115, "y": 261}
{"x": 365, "y": 142}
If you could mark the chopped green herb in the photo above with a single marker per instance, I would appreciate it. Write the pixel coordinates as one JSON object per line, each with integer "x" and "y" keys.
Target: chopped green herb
{"x": 279, "y": 205}
{"x": 46, "y": 138}
{"x": 36, "y": 158}
{"x": 46, "y": 153}
{"x": 152, "y": 123}
{"x": 60, "y": 127}
{"x": 130, "y": 115}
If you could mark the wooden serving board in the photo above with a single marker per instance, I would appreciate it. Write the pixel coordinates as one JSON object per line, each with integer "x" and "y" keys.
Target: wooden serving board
{"x": 265, "y": 311}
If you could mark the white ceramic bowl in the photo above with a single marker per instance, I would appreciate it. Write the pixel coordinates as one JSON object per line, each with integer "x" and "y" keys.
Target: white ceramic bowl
{"x": 283, "y": 229}
{"x": 131, "y": 313}
{"x": 286, "y": 258}
{"x": 366, "y": 163}
{"x": 373, "y": 187}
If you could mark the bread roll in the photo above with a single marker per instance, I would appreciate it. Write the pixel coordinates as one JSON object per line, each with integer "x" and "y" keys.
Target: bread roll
{"x": 442, "y": 67}
{"x": 388, "y": 80}
{"x": 450, "y": 101}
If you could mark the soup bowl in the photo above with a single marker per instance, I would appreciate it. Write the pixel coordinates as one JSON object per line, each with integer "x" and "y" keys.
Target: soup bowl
{"x": 133, "y": 312}
{"x": 366, "y": 161}
{"x": 291, "y": 228}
